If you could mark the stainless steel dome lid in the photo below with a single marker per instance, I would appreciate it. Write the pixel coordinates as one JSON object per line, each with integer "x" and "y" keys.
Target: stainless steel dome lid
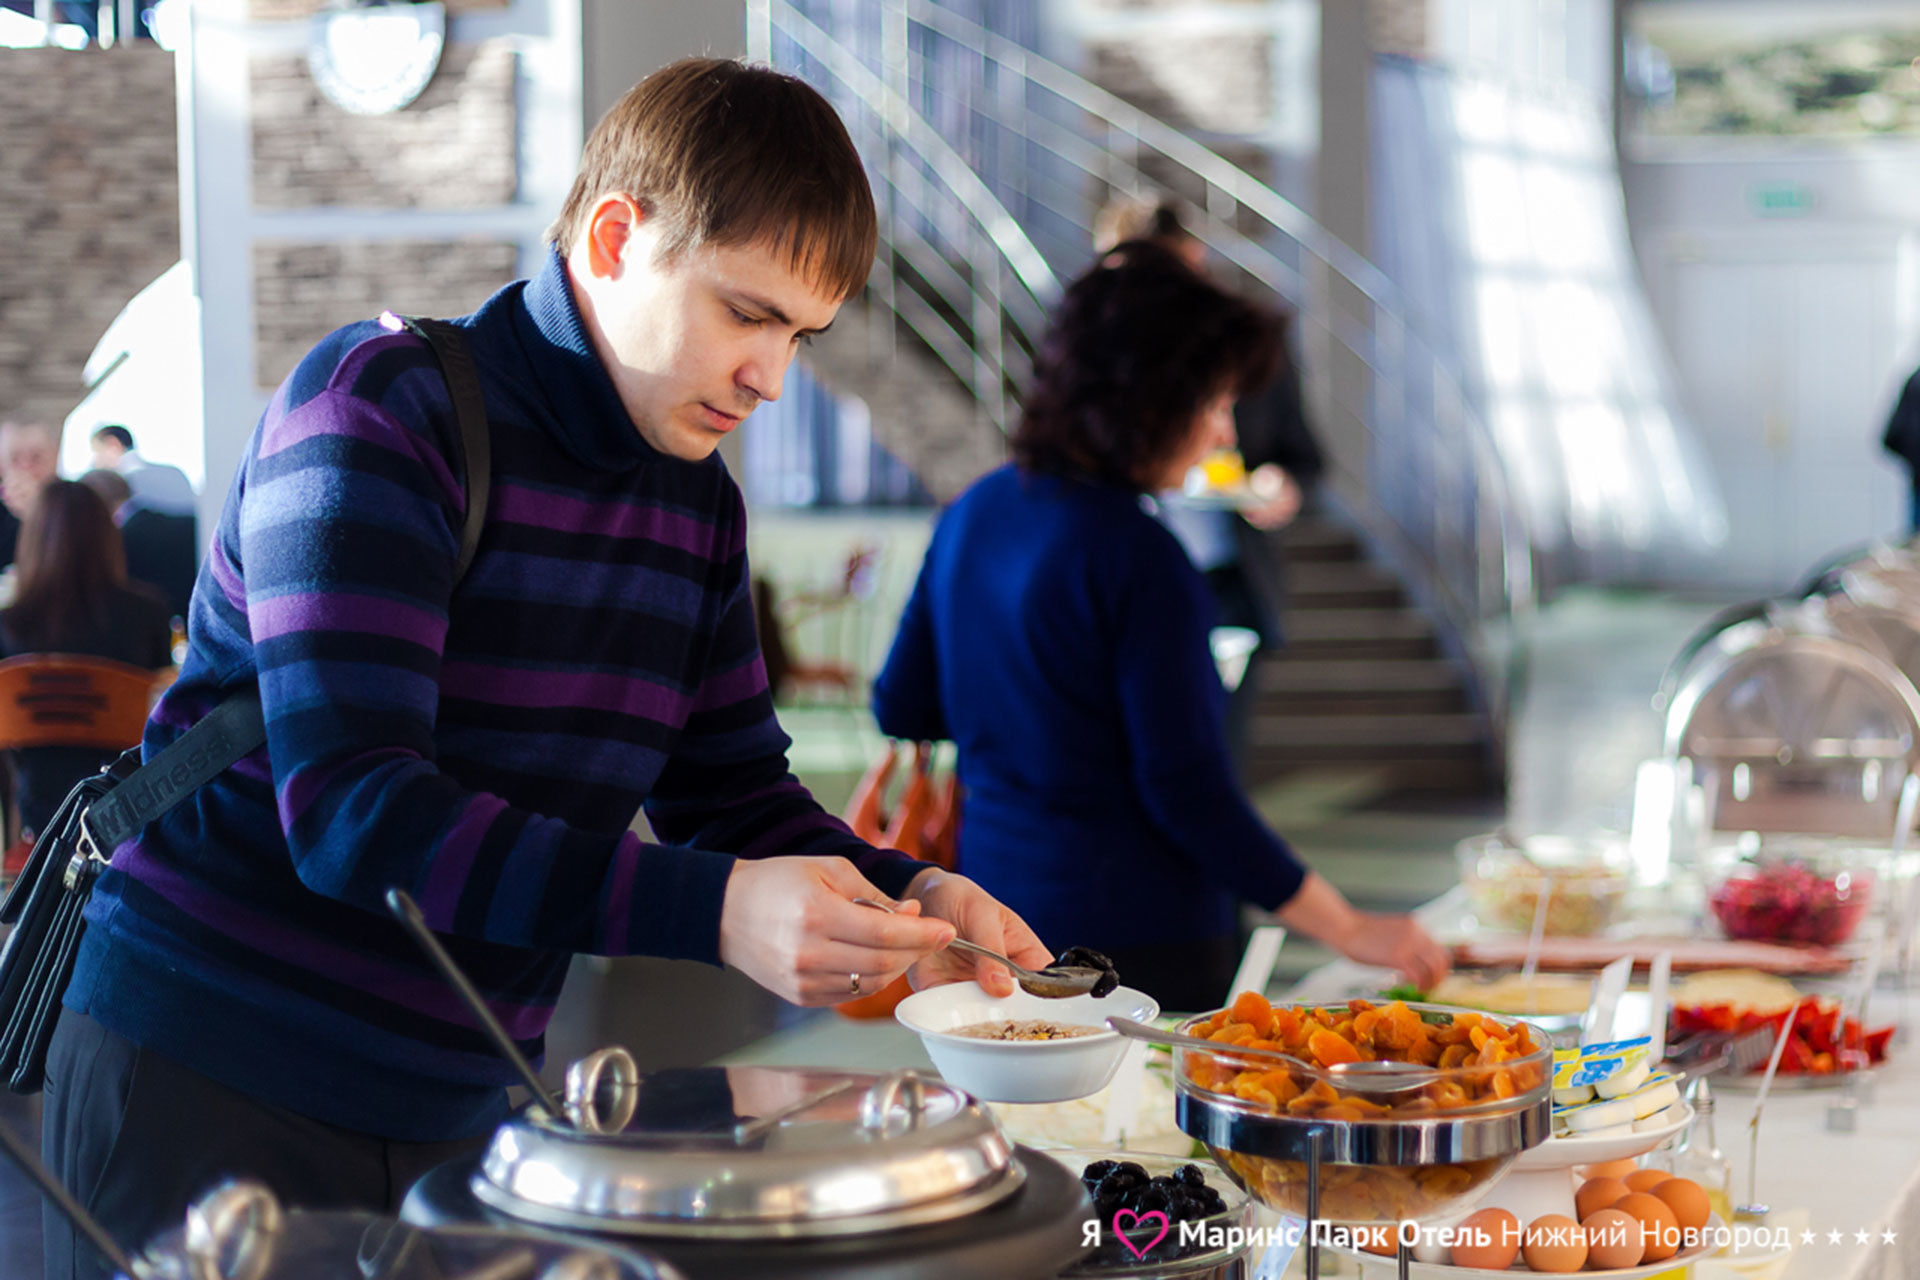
{"x": 747, "y": 1153}
{"x": 1793, "y": 725}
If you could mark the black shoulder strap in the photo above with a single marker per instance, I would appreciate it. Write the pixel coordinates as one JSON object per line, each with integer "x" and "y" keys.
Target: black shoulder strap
{"x": 236, "y": 727}
{"x": 470, "y": 411}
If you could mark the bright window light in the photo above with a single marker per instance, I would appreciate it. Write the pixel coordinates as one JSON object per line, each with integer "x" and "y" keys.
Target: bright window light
{"x": 1481, "y": 113}
{"x": 1496, "y": 208}
{"x": 1578, "y": 338}
{"x": 18, "y": 31}
{"x": 1503, "y": 335}
{"x": 1563, "y": 208}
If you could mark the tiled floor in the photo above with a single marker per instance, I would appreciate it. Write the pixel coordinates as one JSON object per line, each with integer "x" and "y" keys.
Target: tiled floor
{"x": 1586, "y": 722}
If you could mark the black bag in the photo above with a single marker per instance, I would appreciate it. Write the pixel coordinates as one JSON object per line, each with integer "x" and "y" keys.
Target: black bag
{"x": 44, "y": 905}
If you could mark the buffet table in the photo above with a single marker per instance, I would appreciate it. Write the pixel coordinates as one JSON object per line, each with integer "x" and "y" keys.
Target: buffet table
{"x": 1858, "y": 1185}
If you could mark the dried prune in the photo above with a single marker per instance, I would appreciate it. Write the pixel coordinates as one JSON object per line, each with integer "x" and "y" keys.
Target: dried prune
{"x": 1088, "y": 958}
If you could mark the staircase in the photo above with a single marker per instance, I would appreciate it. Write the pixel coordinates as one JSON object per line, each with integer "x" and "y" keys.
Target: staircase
{"x": 1361, "y": 687}
{"x": 919, "y": 411}
{"x": 983, "y": 155}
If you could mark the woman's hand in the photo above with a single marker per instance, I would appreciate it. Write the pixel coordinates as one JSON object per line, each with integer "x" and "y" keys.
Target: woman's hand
{"x": 790, "y": 924}
{"x": 1279, "y": 495}
{"x": 1322, "y": 912}
{"x": 981, "y": 919}
{"x": 1399, "y": 943}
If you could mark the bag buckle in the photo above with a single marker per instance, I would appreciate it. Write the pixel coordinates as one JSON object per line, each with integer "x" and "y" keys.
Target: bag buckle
{"x": 88, "y": 851}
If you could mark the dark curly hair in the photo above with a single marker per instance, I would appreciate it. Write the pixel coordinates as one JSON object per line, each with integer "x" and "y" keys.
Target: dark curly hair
{"x": 1139, "y": 344}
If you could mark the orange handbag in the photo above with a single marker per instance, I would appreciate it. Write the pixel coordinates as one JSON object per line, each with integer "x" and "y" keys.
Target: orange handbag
{"x": 924, "y": 824}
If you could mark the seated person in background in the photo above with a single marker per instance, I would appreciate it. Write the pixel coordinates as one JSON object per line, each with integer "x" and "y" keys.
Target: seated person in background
{"x": 157, "y": 485}
{"x": 73, "y": 596}
{"x": 28, "y": 451}
{"x": 1058, "y": 635}
{"x": 160, "y": 547}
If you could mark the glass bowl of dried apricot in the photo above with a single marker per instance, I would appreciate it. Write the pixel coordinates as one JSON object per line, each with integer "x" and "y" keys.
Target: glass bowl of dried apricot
{"x": 1410, "y": 1111}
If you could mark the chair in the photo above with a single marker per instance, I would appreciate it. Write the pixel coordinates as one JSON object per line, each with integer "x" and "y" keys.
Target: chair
{"x": 67, "y": 700}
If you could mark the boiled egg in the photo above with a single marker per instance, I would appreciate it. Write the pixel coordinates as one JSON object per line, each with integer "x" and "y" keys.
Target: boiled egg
{"x": 1608, "y": 1169}
{"x": 1554, "y": 1243}
{"x": 1687, "y": 1200}
{"x": 1613, "y": 1240}
{"x": 1596, "y": 1194}
{"x": 1660, "y": 1230}
{"x": 1488, "y": 1240}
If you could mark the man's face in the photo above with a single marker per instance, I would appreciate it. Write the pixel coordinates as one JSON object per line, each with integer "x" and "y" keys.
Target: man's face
{"x": 26, "y": 464}
{"x": 695, "y": 342}
{"x": 105, "y": 452}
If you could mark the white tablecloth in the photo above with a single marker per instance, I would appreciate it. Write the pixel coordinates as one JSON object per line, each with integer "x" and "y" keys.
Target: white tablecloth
{"x": 1864, "y": 1182}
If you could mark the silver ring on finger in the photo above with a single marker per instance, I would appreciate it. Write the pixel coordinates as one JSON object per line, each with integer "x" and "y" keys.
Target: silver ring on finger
{"x": 853, "y": 984}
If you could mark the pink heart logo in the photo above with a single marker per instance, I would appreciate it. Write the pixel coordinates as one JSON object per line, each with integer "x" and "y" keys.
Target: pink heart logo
{"x": 1140, "y": 1250}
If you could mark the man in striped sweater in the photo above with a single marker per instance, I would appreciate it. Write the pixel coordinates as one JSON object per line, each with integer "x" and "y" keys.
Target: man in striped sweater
{"x": 242, "y": 1004}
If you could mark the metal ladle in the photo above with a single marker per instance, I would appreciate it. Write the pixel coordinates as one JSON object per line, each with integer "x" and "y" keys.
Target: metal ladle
{"x": 1056, "y": 982}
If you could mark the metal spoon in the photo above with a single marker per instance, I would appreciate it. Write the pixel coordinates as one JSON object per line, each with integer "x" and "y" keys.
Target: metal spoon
{"x": 1056, "y": 982}
{"x": 1360, "y": 1077}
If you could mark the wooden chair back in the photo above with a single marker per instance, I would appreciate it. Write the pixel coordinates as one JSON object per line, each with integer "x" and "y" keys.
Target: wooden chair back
{"x": 67, "y": 700}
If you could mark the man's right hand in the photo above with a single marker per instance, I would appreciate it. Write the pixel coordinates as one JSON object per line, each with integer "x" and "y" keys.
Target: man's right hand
{"x": 790, "y": 924}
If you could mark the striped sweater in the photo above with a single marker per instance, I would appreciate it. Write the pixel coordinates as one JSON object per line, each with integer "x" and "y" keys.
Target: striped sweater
{"x": 485, "y": 747}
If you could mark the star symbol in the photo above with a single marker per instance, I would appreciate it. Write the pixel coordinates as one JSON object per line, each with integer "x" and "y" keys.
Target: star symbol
{"x": 1833, "y": 1237}
{"x": 1808, "y": 1236}
{"x": 1862, "y": 1236}
{"x": 1889, "y": 1235}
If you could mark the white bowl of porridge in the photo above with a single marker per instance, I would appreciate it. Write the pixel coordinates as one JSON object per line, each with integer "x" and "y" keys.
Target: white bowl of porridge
{"x": 1020, "y": 1048}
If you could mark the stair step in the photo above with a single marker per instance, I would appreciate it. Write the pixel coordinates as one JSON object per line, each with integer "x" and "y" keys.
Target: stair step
{"x": 1438, "y": 702}
{"x": 1321, "y": 634}
{"x": 1334, "y": 583}
{"x": 1387, "y": 735}
{"x": 1356, "y": 624}
{"x": 1456, "y": 774}
{"x": 1312, "y": 539}
{"x": 1286, "y": 673}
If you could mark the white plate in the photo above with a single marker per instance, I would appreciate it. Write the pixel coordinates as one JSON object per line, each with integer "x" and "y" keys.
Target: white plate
{"x": 1373, "y": 1266}
{"x": 1564, "y": 1153}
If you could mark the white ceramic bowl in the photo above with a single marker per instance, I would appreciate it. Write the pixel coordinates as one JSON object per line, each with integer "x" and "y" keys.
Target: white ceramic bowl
{"x": 1021, "y": 1070}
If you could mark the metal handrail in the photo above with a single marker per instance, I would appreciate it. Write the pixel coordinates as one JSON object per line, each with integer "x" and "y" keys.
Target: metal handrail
{"x": 1427, "y": 482}
{"x": 1230, "y": 192}
{"x": 979, "y": 292}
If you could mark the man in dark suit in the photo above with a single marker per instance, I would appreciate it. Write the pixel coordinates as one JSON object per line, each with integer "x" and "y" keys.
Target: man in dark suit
{"x": 1902, "y": 439}
{"x": 162, "y": 549}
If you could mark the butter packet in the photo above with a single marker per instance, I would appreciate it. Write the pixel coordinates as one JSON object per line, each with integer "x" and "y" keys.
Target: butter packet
{"x": 1593, "y": 1063}
{"x": 1651, "y": 1096}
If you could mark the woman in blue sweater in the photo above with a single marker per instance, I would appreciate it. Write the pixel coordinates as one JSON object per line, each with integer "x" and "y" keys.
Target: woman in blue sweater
{"x": 1058, "y": 635}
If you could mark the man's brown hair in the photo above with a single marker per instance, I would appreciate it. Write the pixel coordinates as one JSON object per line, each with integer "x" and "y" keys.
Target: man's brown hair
{"x": 731, "y": 154}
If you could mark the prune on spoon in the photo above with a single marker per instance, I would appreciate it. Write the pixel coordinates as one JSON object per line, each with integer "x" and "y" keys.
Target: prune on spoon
{"x": 1088, "y": 958}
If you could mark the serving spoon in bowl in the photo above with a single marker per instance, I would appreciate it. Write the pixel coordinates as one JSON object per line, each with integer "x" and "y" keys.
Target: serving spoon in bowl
{"x": 1055, "y": 982}
{"x": 1360, "y": 1077}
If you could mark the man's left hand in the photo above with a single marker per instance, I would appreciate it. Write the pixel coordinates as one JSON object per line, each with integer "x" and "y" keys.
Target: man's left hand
{"x": 980, "y": 919}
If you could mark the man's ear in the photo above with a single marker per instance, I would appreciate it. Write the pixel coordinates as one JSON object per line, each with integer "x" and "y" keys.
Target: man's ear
{"x": 609, "y": 234}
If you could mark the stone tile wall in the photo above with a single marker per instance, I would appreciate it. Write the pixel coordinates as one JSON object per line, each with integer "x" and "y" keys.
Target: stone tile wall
{"x": 453, "y": 147}
{"x": 91, "y": 212}
{"x": 302, "y": 292}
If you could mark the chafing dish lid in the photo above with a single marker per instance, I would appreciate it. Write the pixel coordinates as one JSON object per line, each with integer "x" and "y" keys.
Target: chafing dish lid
{"x": 748, "y": 1152}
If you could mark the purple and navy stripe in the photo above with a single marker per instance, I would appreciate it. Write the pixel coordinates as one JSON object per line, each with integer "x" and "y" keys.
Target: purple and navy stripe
{"x": 485, "y": 747}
